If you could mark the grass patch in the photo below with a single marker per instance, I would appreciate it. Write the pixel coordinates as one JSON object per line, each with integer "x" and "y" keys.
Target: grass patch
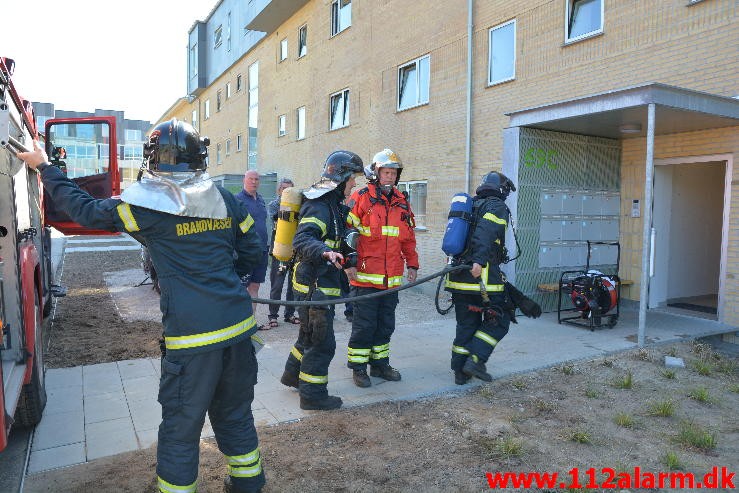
{"x": 727, "y": 367}
{"x": 624, "y": 420}
{"x": 668, "y": 374}
{"x": 695, "y": 436}
{"x": 568, "y": 369}
{"x": 625, "y": 382}
{"x": 509, "y": 447}
{"x": 608, "y": 363}
{"x": 734, "y": 387}
{"x": 671, "y": 461}
{"x": 519, "y": 384}
{"x": 643, "y": 355}
{"x": 663, "y": 409}
{"x": 486, "y": 391}
{"x": 703, "y": 367}
{"x": 700, "y": 394}
{"x": 543, "y": 406}
{"x": 591, "y": 393}
{"x": 580, "y": 436}
{"x": 672, "y": 352}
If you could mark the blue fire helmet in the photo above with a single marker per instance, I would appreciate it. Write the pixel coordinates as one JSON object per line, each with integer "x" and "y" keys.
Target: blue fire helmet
{"x": 175, "y": 146}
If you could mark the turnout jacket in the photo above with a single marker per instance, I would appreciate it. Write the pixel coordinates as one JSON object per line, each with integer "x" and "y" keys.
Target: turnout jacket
{"x": 485, "y": 247}
{"x": 321, "y": 227}
{"x": 198, "y": 261}
{"x": 387, "y": 242}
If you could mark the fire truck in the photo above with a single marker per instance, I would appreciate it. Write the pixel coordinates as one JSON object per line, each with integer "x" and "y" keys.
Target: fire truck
{"x": 85, "y": 149}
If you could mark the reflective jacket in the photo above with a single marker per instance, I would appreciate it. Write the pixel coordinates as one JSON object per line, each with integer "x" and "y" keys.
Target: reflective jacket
{"x": 387, "y": 242}
{"x": 198, "y": 262}
{"x": 485, "y": 247}
{"x": 321, "y": 226}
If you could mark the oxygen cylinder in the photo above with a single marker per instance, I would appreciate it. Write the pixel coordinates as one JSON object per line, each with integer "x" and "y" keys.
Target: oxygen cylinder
{"x": 287, "y": 223}
{"x": 458, "y": 225}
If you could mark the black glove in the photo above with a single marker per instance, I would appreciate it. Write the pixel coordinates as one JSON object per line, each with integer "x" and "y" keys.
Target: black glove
{"x": 317, "y": 323}
{"x": 527, "y": 306}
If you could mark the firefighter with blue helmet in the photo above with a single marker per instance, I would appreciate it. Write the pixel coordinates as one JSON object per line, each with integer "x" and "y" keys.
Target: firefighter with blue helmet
{"x": 317, "y": 276}
{"x": 200, "y": 240}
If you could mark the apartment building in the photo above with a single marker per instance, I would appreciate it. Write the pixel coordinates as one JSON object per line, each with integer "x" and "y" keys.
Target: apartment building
{"x": 608, "y": 115}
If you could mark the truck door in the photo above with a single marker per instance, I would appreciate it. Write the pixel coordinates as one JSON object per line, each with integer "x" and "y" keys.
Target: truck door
{"x": 85, "y": 149}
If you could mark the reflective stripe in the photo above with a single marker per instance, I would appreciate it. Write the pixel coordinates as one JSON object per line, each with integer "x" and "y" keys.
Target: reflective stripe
{"x": 370, "y": 278}
{"x": 330, "y": 291}
{"x": 129, "y": 222}
{"x": 166, "y": 487}
{"x": 394, "y": 281}
{"x": 246, "y": 224}
{"x": 391, "y": 231}
{"x": 315, "y": 221}
{"x": 296, "y": 353}
{"x": 381, "y": 352}
{"x": 353, "y": 220}
{"x": 332, "y": 243}
{"x": 313, "y": 378}
{"x": 245, "y": 459}
{"x": 206, "y": 338}
{"x": 463, "y": 286}
{"x": 364, "y": 230}
{"x": 357, "y": 355}
{"x": 460, "y": 350}
{"x": 485, "y": 337}
{"x": 246, "y": 472}
{"x": 245, "y": 466}
{"x": 493, "y": 218}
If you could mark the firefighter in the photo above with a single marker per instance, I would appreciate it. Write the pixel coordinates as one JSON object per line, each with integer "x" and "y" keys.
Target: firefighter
{"x": 200, "y": 240}
{"x": 386, "y": 246}
{"x": 481, "y": 326}
{"x": 317, "y": 276}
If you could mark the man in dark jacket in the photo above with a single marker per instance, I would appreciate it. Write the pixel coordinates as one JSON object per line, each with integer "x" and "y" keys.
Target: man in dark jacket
{"x": 317, "y": 276}
{"x": 200, "y": 240}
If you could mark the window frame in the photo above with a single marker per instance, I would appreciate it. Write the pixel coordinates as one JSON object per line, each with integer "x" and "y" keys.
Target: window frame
{"x": 228, "y": 147}
{"x": 228, "y": 90}
{"x": 342, "y": 96}
{"x": 300, "y": 128}
{"x": 239, "y": 83}
{"x": 336, "y": 9}
{"x": 492, "y": 82}
{"x": 218, "y": 37}
{"x": 207, "y": 109}
{"x": 420, "y": 218}
{"x": 569, "y": 19}
{"x": 281, "y": 125}
{"x": 194, "y": 119}
{"x": 417, "y": 64}
{"x": 282, "y": 52}
{"x": 239, "y": 143}
{"x": 302, "y": 41}
{"x": 193, "y": 61}
{"x": 219, "y": 157}
{"x": 219, "y": 100}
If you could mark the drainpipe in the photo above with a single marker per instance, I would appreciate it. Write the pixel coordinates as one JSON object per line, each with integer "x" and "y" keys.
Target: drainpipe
{"x": 468, "y": 130}
{"x": 647, "y": 229}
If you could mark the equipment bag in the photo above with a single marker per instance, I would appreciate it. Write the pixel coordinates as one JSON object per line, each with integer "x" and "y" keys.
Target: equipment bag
{"x": 458, "y": 225}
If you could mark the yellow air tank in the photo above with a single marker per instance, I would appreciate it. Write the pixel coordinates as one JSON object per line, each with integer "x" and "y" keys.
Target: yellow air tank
{"x": 287, "y": 223}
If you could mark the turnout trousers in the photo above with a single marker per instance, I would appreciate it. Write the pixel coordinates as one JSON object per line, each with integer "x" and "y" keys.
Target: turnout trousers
{"x": 308, "y": 361}
{"x": 474, "y": 335}
{"x": 372, "y": 327}
{"x": 277, "y": 280}
{"x": 220, "y": 382}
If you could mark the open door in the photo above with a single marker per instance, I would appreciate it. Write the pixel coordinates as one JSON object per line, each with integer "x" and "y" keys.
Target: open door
{"x": 85, "y": 149}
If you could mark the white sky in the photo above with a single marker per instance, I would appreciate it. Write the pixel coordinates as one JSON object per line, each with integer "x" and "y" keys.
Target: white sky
{"x": 86, "y": 54}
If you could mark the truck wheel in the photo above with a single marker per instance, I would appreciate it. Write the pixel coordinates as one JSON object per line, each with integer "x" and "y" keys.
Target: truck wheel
{"x": 33, "y": 395}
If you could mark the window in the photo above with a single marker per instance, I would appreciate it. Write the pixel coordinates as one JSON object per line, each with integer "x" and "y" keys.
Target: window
{"x": 194, "y": 120}
{"x": 339, "y": 110}
{"x": 228, "y": 147}
{"x": 239, "y": 145}
{"x": 253, "y": 152}
{"x": 584, "y": 18}
{"x": 341, "y": 16}
{"x": 228, "y": 32}
{"x": 300, "y": 112}
{"x": 238, "y": 83}
{"x": 218, "y": 37}
{"x": 302, "y": 41}
{"x": 219, "y": 159}
{"x": 194, "y": 61}
{"x": 502, "y": 53}
{"x": 228, "y": 90}
{"x": 417, "y": 199}
{"x": 413, "y": 83}
{"x": 133, "y": 134}
{"x": 281, "y": 125}
{"x": 283, "y": 49}
{"x": 207, "y": 109}
{"x": 218, "y": 100}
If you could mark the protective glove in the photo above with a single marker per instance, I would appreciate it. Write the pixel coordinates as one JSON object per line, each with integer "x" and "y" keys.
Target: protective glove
{"x": 527, "y": 306}
{"x": 317, "y": 324}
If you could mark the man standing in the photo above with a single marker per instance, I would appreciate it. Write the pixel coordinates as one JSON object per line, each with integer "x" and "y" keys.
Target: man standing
{"x": 258, "y": 211}
{"x": 387, "y": 244}
{"x": 200, "y": 240}
{"x": 317, "y": 242}
{"x": 276, "y": 275}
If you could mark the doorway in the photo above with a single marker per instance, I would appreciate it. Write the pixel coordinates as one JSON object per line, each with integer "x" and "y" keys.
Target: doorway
{"x": 688, "y": 237}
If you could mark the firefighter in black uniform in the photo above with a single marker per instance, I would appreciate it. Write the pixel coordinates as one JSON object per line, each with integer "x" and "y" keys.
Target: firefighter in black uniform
{"x": 317, "y": 276}
{"x": 482, "y": 324}
{"x": 200, "y": 240}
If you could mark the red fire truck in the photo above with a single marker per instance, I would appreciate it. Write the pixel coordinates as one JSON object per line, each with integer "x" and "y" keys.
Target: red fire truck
{"x": 86, "y": 150}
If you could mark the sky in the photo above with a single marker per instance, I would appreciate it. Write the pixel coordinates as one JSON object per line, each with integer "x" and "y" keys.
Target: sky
{"x": 87, "y": 54}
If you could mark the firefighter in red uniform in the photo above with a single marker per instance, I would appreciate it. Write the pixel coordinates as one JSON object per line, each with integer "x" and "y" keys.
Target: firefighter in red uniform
{"x": 387, "y": 244}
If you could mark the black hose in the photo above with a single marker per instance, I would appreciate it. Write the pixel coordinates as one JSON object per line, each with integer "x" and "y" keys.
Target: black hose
{"x": 338, "y": 301}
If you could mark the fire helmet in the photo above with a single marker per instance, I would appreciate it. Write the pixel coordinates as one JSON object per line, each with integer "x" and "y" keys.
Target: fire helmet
{"x": 176, "y": 146}
{"x": 338, "y": 168}
{"x": 497, "y": 183}
{"x": 386, "y": 158}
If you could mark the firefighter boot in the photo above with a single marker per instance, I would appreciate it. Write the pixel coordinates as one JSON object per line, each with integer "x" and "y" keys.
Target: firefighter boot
{"x": 289, "y": 379}
{"x": 385, "y": 372}
{"x": 361, "y": 379}
{"x": 474, "y": 368}
{"x": 461, "y": 378}
{"x": 228, "y": 487}
{"x": 326, "y": 404}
